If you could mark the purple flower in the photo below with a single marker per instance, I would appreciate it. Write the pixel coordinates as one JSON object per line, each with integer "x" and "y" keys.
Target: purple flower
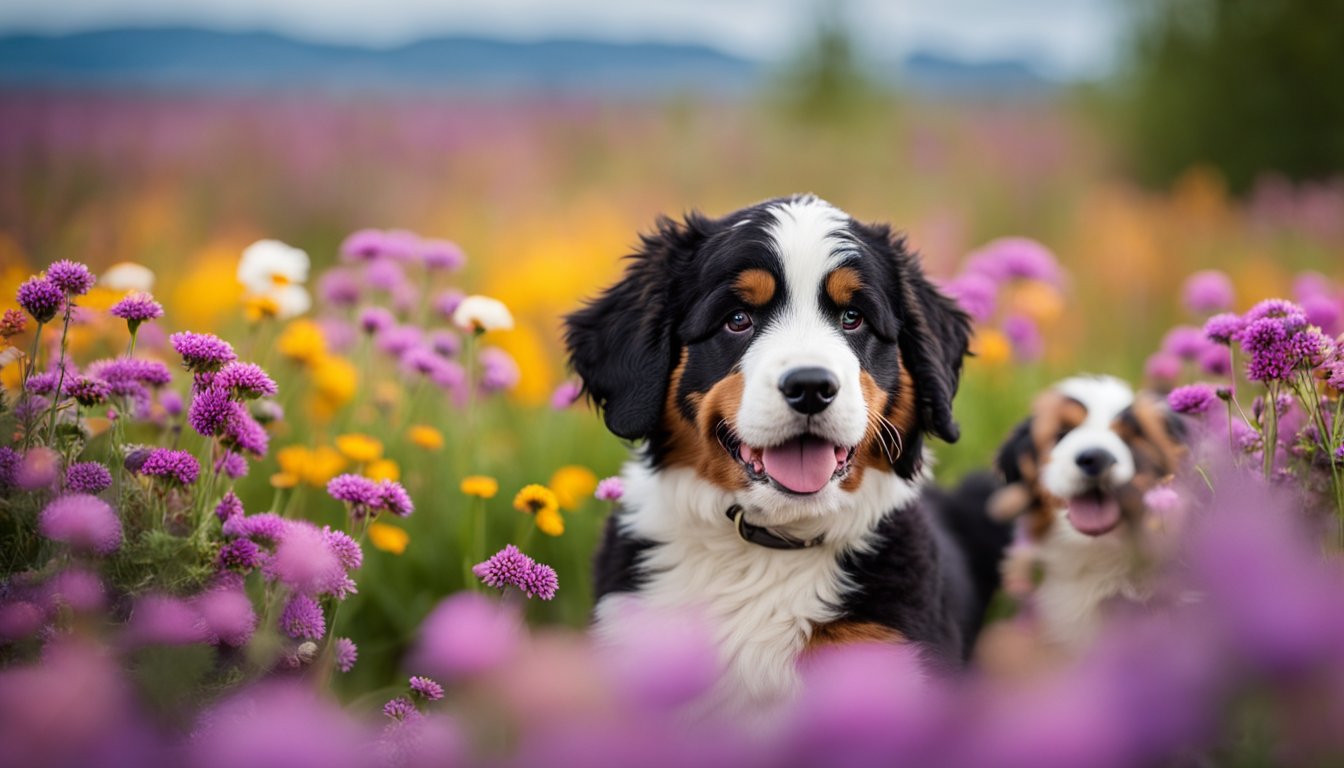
{"x": 396, "y": 340}
{"x": 401, "y": 244}
{"x": 375, "y": 320}
{"x": 86, "y": 390}
{"x": 202, "y": 352}
{"x": 302, "y": 618}
{"x": 71, "y": 277}
{"x": 401, "y": 708}
{"x": 610, "y": 489}
{"x": 446, "y": 343}
{"x": 1215, "y": 361}
{"x": 9, "y": 465}
{"x": 339, "y": 287}
{"x": 280, "y": 723}
{"x": 41, "y": 383}
{"x": 1324, "y": 312}
{"x": 229, "y": 506}
{"x": 1207, "y": 292}
{"x": 87, "y": 477}
{"x": 240, "y": 554}
{"x": 172, "y": 404}
{"x": 393, "y": 498}
{"x": 566, "y": 395}
{"x": 1192, "y": 399}
{"x": 86, "y": 523}
{"x": 346, "y": 549}
{"x": 1266, "y": 340}
{"x": 1028, "y": 346}
{"x": 124, "y": 373}
{"x": 41, "y": 298}
{"x": 448, "y": 376}
{"x": 178, "y": 467}
{"x": 1185, "y": 342}
{"x": 246, "y": 434}
{"x": 77, "y": 589}
{"x": 228, "y": 617}
{"x": 1015, "y": 258}
{"x": 137, "y": 308}
{"x": 1224, "y": 328}
{"x": 212, "y": 410}
{"x": 245, "y": 380}
{"x": 364, "y": 245}
{"x": 164, "y": 620}
{"x": 427, "y": 688}
{"x": 499, "y": 371}
{"x": 232, "y": 465}
{"x": 346, "y": 653}
{"x": 12, "y": 323}
{"x": 540, "y": 581}
{"x": 421, "y": 360}
{"x": 266, "y": 526}
{"x": 1335, "y": 373}
{"x": 38, "y": 469}
{"x": 505, "y": 568}
{"x": 1276, "y": 308}
{"x": 304, "y": 562}
{"x": 467, "y": 634}
{"x": 441, "y": 254}
{"x": 359, "y": 493}
{"x": 977, "y": 293}
{"x": 384, "y": 275}
{"x": 446, "y": 303}
{"x": 19, "y": 619}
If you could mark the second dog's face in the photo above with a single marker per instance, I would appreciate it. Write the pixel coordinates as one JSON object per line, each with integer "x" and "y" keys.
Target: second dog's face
{"x": 781, "y": 352}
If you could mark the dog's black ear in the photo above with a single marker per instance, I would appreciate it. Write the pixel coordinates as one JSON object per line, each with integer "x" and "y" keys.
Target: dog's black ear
{"x": 934, "y": 339}
{"x": 621, "y": 344}
{"x": 1008, "y": 460}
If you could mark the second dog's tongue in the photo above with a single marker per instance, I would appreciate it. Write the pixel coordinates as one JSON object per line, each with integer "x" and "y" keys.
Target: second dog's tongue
{"x": 803, "y": 464}
{"x": 1092, "y": 515}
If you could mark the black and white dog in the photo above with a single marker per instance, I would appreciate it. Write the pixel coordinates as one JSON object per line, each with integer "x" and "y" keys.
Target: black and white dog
{"x": 782, "y": 365}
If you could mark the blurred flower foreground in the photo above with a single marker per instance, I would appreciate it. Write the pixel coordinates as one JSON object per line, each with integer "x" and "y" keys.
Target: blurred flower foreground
{"x": 155, "y": 609}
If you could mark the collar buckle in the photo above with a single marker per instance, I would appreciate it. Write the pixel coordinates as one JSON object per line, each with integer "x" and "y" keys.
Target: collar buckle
{"x": 762, "y": 536}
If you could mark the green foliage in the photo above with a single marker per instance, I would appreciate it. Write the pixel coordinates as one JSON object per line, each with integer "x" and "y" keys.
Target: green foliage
{"x": 1247, "y": 86}
{"x": 825, "y": 83}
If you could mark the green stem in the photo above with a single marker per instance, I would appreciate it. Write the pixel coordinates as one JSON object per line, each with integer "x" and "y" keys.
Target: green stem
{"x": 1270, "y": 437}
{"x": 60, "y": 379}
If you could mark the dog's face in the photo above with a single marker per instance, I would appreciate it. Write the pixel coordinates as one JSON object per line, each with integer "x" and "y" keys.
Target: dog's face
{"x": 1089, "y": 451}
{"x": 781, "y": 351}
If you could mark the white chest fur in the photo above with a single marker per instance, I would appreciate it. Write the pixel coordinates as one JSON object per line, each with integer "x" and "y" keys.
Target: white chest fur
{"x": 761, "y": 604}
{"x": 1079, "y": 574}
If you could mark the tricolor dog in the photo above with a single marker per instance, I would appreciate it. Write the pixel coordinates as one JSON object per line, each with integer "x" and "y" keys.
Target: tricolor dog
{"x": 781, "y": 367}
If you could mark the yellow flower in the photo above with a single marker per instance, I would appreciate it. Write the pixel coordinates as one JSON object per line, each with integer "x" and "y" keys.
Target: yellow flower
{"x": 383, "y": 469}
{"x": 258, "y": 308}
{"x": 480, "y": 486}
{"x": 359, "y": 448}
{"x": 388, "y": 538}
{"x": 991, "y": 347}
{"x": 335, "y": 380}
{"x": 284, "y": 480}
{"x": 1037, "y": 300}
{"x": 426, "y": 437}
{"x": 292, "y": 459}
{"x": 573, "y": 485}
{"x": 535, "y": 499}
{"x": 302, "y": 341}
{"x": 323, "y": 464}
{"x": 550, "y": 522}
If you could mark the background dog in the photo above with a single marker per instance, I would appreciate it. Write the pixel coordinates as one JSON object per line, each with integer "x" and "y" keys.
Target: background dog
{"x": 1077, "y": 471}
{"x": 782, "y": 366}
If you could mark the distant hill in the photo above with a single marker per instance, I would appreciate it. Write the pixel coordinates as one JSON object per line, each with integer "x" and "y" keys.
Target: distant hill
{"x": 189, "y": 58}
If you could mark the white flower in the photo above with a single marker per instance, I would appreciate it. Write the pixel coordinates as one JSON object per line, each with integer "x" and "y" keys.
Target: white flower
{"x": 10, "y": 355}
{"x": 290, "y": 301}
{"x": 267, "y": 265}
{"x": 128, "y": 276}
{"x": 482, "y": 313}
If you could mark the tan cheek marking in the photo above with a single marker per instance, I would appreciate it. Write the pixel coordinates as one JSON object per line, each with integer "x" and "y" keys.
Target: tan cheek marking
{"x": 849, "y": 632}
{"x": 869, "y": 452}
{"x": 842, "y": 284}
{"x": 756, "y": 287}
{"x": 695, "y": 444}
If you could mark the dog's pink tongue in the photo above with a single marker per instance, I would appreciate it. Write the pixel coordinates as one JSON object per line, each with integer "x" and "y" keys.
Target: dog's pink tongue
{"x": 803, "y": 465}
{"x": 1094, "y": 516}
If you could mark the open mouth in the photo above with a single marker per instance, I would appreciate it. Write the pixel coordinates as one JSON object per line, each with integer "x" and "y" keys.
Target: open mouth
{"x": 802, "y": 465}
{"x": 1094, "y": 512}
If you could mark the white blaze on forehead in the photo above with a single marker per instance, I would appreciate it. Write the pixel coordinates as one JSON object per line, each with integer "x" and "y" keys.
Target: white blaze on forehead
{"x": 1104, "y": 397}
{"x": 809, "y": 235}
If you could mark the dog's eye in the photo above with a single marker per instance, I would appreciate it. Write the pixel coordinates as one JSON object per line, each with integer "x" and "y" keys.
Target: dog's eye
{"x": 850, "y": 319}
{"x": 738, "y": 322}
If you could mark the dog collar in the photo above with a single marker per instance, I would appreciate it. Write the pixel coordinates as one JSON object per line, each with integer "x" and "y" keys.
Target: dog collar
{"x": 762, "y": 536}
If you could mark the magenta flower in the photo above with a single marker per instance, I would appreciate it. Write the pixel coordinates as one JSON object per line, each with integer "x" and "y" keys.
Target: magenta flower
{"x": 1215, "y": 361}
{"x": 339, "y": 287}
{"x": 266, "y": 526}
{"x": 178, "y": 467}
{"x": 1163, "y": 499}
{"x": 977, "y": 293}
{"x": 446, "y": 303}
{"x": 246, "y": 381}
{"x": 231, "y": 465}
{"x": 467, "y": 634}
{"x": 202, "y": 352}
{"x": 397, "y": 340}
{"x": 240, "y": 554}
{"x": 566, "y": 395}
{"x": 401, "y": 709}
{"x": 228, "y": 617}
{"x": 41, "y": 383}
{"x": 359, "y": 493}
{"x": 229, "y": 506}
{"x": 12, "y": 323}
{"x": 305, "y": 563}
{"x": 1185, "y": 342}
{"x": 123, "y": 372}
{"x": 86, "y": 390}
{"x": 346, "y": 549}
{"x": 86, "y": 523}
{"x": 136, "y": 308}
{"x": 163, "y": 620}
{"x": 1224, "y": 328}
{"x": 77, "y": 589}
{"x": 375, "y": 320}
{"x": 302, "y": 618}
{"x": 441, "y": 255}
{"x": 1022, "y": 333}
{"x": 426, "y": 688}
{"x": 38, "y": 469}
{"x": 1207, "y": 292}
{"x": 1193, "y": 399}
{"x": 394, "y": 498}
{"x": 41, "y": 298}
{"x": 1162, "y": 367}
{"x": 87, "y": 477}
{"x": 9, "y": 465}
{"x": 499, "y": 371}
{"x": 610, "y": 489}
{"x": 246, "y": 434}
{"x": 1276, "y": 308}
{"x": 1015, "y": 258}
{"x": 445, "y": 342}
{"x": 346, "y": 653}
{"x": 364, "y": 245}
{"x": 1267, "y": 341}
{"x": 385, "y": 275}
{"x": 511, "y": 568}
{"x": 71, "y": 277}
{"x": 540, "y": 581}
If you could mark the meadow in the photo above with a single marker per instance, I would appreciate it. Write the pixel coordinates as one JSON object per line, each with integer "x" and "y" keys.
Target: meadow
{"x": 542, "y": 199}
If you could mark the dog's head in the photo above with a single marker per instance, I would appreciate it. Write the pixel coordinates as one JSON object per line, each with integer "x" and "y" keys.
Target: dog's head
{"x": 1087, "y": 454}
{"x": 781, "y": 351}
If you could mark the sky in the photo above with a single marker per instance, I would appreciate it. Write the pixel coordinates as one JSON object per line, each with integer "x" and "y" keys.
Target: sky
{"x": 1067, "y": 38}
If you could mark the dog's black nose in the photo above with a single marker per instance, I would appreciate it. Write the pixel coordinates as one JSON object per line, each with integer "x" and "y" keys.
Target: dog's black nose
{"x": 809, "y": 390}
{"x": 1094, "y": 461}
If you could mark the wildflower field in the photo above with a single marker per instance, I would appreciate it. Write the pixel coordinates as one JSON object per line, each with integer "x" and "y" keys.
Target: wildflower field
{"x": 288, "y": 448}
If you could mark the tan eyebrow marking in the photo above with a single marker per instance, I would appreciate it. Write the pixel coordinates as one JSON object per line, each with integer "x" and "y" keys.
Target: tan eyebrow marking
{"x": 756, "y": 287}
{"x": 842, "y": 284}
